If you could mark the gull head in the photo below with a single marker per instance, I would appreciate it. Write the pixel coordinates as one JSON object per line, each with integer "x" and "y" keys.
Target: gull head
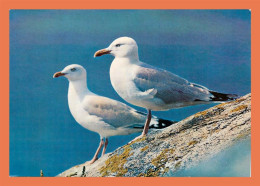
{"x": 72, "y": 72}
{"x": 121, "y": 47}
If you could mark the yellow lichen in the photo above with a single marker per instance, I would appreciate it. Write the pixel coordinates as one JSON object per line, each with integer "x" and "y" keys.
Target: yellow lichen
{"x": 229, "y": 102}
{"x": 72, "y": 174}
{"x": 162, "y": 158}
{"x": 166, "y": 170}
{"x": 216, "y": 130}
{"x": 115, "y": 164}
{"x": 239, "y": 108}
{"x": 192, "y": 143}
{"x": 239, "y": 100}
{"x": 149, "y": 173}
{"x": 145, "y": 148}
{"x": 153, "y": 172}
{"x": 140, "y": 175}
{"x": 202, "y": 113}
{"x": 204, "y": 136}
{"x": 159, "y": 163}
{"x": 138, "y": 140}
{"x": 178, "y": 165}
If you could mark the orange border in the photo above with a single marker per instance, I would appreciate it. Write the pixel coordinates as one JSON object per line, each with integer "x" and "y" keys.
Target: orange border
{"x": 133, "y": 4}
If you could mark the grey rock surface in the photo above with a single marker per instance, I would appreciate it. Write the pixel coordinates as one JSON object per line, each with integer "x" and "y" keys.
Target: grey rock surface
{"x": 182, "y": 145}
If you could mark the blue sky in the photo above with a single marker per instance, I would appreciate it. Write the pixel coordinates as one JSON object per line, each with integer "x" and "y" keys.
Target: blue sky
{"x": 214, "y": 27}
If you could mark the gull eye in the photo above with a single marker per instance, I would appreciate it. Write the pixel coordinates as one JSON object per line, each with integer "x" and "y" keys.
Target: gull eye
{"x": 73, "y": 69}
{"x": 118, "y": 45}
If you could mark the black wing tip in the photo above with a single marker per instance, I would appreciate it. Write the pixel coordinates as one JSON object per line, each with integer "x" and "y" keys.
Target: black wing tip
{"x": 222, "y": 97}
{"x": 162, "y": 123}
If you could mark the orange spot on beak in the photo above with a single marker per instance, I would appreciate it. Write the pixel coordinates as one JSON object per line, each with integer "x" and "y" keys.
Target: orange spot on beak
{"x": 102, "y": 52}
{"x": 58, "y": 74}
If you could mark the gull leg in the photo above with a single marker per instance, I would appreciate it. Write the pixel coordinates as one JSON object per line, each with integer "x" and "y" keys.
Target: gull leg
{"x": 97, "y": 152}
{"x": 105, "y": 147}
{"x": 147, "y": 123}
{"x": 146, "y": 126}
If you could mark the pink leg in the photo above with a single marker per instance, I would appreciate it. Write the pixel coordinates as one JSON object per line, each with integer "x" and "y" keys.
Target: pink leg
{"x": 147, "y": 123}
{"x": 105, "y": 147}
{"x": 146, "y": 126}
{"x": 97, "y": 152}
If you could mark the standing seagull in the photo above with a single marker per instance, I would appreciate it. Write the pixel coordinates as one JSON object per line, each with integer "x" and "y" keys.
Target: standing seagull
{"x": 105, "y": 116}
{"x": 149, "y": 87}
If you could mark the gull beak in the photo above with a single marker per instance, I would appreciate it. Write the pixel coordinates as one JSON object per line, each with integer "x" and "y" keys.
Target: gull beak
{"x": 58, "y": 74}
{"x": 102, "y": 52}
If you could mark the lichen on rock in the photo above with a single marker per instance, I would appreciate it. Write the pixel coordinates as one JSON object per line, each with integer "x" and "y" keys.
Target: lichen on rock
{"x": 177, "y": 147}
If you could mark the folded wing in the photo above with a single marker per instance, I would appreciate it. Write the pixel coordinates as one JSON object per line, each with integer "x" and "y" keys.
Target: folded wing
{"x": 170, "y": 87}
{"x": 113, "y": 112}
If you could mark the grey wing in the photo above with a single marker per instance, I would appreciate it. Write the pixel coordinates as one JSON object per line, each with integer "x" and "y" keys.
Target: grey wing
{"x": 113, "y": 112}
{"x": 169, "y": 87}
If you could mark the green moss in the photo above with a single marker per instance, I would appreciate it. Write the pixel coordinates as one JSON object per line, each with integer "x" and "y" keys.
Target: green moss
{"x": 239, "y": 108}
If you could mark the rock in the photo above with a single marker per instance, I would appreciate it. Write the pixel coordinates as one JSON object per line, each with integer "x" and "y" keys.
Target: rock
{"x": 179, "y": 146}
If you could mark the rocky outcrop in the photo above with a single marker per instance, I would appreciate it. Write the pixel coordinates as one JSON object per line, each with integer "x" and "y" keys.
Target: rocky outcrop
{"x": 179, "y": 146}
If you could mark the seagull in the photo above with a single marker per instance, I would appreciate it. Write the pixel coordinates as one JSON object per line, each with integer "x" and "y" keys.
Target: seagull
{"x": 150, "y": 87}
{"x": 102, "y": 115}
